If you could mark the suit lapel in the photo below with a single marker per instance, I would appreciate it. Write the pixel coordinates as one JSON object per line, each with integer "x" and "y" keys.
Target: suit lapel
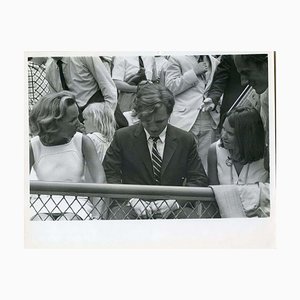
{"x": 141, "y": 147}
{"x": 170, "y": 147}
{"x": 213, "y": 68}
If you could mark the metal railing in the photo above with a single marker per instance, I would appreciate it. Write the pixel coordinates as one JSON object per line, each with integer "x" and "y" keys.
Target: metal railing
{"x": 86, "y": 201}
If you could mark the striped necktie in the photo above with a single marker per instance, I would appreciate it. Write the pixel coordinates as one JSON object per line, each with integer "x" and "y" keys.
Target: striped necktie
{"x": 156, "y": 160}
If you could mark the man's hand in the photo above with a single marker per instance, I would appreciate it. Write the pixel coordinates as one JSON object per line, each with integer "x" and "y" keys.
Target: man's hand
{"x": 200, "y": 68}
{"x": 142, "y": 208}
{"x": 207, "y": 105}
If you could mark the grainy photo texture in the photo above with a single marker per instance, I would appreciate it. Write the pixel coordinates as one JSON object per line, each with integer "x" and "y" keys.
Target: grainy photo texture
{"x": 149, "y": 137}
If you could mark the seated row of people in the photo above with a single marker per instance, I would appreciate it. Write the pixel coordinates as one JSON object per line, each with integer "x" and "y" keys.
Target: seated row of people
{"x": 151, "y": 152}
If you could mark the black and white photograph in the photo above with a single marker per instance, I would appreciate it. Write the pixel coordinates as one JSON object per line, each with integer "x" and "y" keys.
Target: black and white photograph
{"x": 150, "y": 150}
{"x": 161, "y": 138}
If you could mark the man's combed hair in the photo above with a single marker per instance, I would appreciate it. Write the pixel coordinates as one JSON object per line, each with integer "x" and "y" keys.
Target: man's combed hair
{"x": 249, "y": 133}
{"x": 46, "y": 112}
{"x": 150, "y": 97}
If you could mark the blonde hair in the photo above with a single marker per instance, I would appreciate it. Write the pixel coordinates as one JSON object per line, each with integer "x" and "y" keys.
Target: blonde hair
{"x": 102, "y": 117}
{"x": 46, "y": 112}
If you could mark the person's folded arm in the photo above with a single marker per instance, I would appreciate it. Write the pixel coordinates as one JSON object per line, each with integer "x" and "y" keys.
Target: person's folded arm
{"x": 104, "y": 80}
{"x": 176, "y": 81}
{"x": 220, "y": 79}
{"x": 123, "y": 86}
{"x": 119, "y": 74}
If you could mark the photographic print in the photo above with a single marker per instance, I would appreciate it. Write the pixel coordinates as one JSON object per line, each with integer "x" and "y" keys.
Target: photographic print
{"x": 119, "y": 143}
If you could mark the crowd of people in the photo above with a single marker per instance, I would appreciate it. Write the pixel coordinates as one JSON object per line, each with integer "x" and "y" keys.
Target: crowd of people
{"x": 150, "y": 120}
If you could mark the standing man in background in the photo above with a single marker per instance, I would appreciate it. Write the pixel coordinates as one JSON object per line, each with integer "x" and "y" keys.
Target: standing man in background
{"x": 189, "y": 78}
{"x": 225, "y": 88}
{"x": 253, "y": 70}
{"x": 86, "y": 77}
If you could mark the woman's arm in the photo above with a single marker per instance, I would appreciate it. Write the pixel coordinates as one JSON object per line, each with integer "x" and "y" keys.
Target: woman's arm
{"x": 92, "y": 161}
{"x": 96, "y": 171}
{"x": 178, "y": 81}
{"x": 212, "y": 170}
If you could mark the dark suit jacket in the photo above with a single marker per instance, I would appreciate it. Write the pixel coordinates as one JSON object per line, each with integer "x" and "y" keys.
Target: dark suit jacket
{"x": 128, "y": 159}
{"x": 226, "y": 81}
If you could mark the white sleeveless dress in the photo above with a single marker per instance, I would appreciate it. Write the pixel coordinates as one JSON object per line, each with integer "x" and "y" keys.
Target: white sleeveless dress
{"x": 251, "y": 173}
{"x": 61, "y": 163}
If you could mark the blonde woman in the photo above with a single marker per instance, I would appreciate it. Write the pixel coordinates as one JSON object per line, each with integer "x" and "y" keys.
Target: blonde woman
{"x": 58, "y": 152}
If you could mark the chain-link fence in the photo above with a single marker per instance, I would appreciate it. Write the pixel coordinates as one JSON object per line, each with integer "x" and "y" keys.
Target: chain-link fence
{"x": 84, "y": 201}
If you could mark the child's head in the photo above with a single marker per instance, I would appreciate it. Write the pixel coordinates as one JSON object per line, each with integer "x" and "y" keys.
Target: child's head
{"x": 99, "y": 117}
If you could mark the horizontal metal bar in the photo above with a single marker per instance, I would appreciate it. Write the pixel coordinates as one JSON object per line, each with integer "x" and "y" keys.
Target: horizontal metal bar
{"x": 122, "y": 190}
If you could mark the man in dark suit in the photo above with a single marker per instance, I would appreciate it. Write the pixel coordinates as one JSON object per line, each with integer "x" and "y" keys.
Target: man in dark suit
{"x": 153, "y": 151}
{"x": 226, "y": 83}
{"x": 253, "y": 70}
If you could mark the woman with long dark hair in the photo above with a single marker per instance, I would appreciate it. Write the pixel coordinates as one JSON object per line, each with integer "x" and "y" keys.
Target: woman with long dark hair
{"x": 238, "y": 157}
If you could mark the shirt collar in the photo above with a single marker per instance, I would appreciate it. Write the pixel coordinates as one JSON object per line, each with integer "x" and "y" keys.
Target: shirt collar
{"x": 162, "y": 135}
{"x": 65, "y": 60}
{"x": 33, "y": 65}
{"x": 206, "y": 58}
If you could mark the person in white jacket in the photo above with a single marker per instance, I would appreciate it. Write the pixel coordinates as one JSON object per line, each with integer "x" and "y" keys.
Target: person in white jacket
{"x": 189, "y": 78}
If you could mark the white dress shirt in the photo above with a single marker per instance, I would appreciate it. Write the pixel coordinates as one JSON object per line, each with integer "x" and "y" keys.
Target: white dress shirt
{"x": 125, "y": 67}
{"x": 84, "y": 77}
{"x": 160, "y": 144}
